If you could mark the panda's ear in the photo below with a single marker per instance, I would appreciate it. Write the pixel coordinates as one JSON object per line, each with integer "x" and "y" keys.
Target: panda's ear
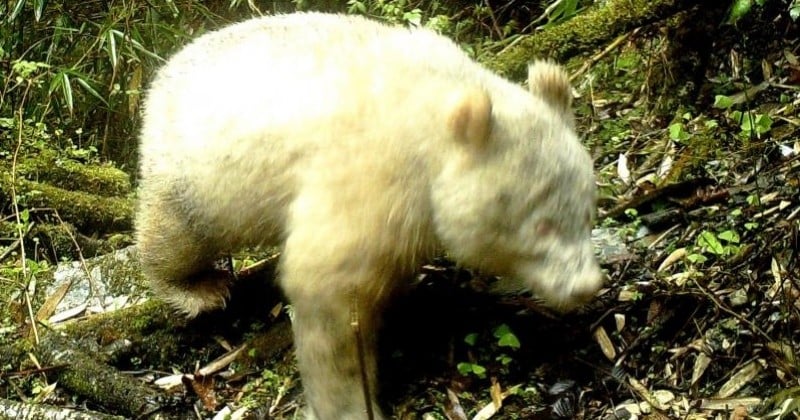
{"x": 470, "y": 116}
{"x": 550, "y": 82}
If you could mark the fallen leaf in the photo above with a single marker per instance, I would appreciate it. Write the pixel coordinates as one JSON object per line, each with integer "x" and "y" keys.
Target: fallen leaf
{"x": 604, "y": 341}
{"x": 672, "y": 258}
{"x": 740, "y": 379}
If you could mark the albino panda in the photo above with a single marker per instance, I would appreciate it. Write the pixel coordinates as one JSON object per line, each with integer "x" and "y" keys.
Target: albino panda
{"x": 362, "y": 150}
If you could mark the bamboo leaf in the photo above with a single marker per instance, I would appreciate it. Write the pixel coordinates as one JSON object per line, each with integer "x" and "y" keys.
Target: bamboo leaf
{"x": 66, "y": 89}
{"x": 16, "y": 10}
{"x": 145, "y": 51}
{"x": 38, "y": 8}
{"x": 92, "y": 91}
{"x": 112, "y": 49}
{"x": 136, "y": 45}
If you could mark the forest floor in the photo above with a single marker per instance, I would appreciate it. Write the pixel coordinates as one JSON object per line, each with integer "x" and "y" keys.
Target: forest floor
{"x": 698, "y": 233}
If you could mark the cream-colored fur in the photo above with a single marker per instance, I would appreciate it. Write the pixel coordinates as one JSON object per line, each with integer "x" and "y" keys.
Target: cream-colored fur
{"x": 362, "y": 150}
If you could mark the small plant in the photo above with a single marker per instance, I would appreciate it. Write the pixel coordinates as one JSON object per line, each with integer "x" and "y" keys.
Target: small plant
{"x": 391, "y": 11}
{"x": 722, "y": 245}
{"x": 268, "y": 386}
{"x": 504, "y": 338}
{"x": 469, "y": 368}
{"x": 466, "y": 368}
{"x": 751, "y": 125}
{"x": 723, "y": 102}
{"x": 749, "y": 226}
{"x": 629, "y": 229}
{"x": 677, "y": 130}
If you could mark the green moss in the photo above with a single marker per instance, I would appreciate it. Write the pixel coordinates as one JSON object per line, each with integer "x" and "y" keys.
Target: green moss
{"x": 89, "y": 212}
{"x": 584, "y": 32}
{"x": 51, "y": 168}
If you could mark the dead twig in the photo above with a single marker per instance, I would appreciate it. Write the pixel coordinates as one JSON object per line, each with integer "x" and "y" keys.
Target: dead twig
{"x": 599, "y": 56}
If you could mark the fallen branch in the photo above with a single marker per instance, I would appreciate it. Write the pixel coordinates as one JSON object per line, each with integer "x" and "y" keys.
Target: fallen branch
{"x": 87, "y": 376}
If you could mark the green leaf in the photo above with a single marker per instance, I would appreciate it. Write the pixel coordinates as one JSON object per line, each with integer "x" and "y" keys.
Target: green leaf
{"x": 509, "y": 340}
{"x": 563, "y": 11}
{"x": 467, "y": 368}
{"x": 356, "y": 7}
{"x": 501, "y": 330}
{"x": 722, "y": 102}
{"x": 61, "y": 81}
{"x": 504, "y": 359}
{"x": 739, "y": 9}
{"x": 676, "y": 132}
{"x": 794, "y": 11}
{"x": 464, "y": 368}
{"x": 38, "y": 8}
{"x": 112, "y": 49}
{"x": 747, "y": 123}
{"x": 16, "y": 10}
{"x": 26, "y": 69}
{"x": 763, "y": 123}
{"x": 709, "y": 242}
{"x": 696, "y": 258}
{"x": 479, "y": 370}
{"x": 505, "y": 337}
{"x": 136, "y": 45}
{"x": 413, "y": 17}
{"x": 729, "y": 236}
{"x": 471, "y": 338}
{"x": 91, "y": 90}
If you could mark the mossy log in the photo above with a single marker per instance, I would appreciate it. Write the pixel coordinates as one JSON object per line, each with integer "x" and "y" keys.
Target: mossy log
{"x": 85, "y": 375}
{"x": 49, "y": 167}
{"x": 78, "y": 366}
{"x": 90, "y": 213}
{"x": 81, "y": 355}
{"x": 584, "y": 32}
